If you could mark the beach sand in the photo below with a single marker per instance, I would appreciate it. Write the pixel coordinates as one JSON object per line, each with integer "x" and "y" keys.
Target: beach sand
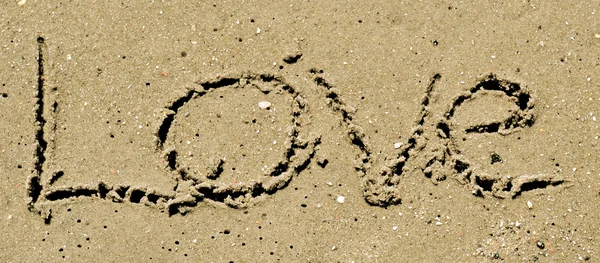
{"x": 299, "y": 131}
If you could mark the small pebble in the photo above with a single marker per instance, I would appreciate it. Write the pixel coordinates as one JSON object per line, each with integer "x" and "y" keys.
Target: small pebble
{"x": 340, "y": 199}
{"x": 21, "y": 2}
{"x": 438, "y": 223}
{"x": 529, "y": 204}
{"x": 265, "y": 105}
{"x": 397, "y": 145}
{"x": 540, "y": 244}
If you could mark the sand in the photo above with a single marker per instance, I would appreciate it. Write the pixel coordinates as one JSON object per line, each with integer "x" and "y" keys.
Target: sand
{"x": 299, "y": 131}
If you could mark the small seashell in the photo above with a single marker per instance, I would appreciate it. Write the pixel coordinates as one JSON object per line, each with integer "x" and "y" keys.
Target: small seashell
{"x": 265, "y": 105}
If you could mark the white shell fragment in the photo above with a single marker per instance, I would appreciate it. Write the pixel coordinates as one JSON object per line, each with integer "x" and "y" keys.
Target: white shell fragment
{"x": 529, "y": 204}
{"x": 264, "y": 105}
{"x": 340, "y": 199}
{"x": 397, "y": 145}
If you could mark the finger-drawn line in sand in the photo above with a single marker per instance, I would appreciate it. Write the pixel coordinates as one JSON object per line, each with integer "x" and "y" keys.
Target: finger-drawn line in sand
{"x": 433, "y": 145}
{"x": 34, "y": 187}
{"x": 467, "y": 172}
{"x": 192, "y": 187}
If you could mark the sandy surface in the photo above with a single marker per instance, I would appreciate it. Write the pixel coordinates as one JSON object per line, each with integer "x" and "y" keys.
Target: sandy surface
{"x": 299, "y": 131}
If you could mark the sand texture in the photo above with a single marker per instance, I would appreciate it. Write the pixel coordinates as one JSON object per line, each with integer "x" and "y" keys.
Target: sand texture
{"x": 299, "y": 131}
